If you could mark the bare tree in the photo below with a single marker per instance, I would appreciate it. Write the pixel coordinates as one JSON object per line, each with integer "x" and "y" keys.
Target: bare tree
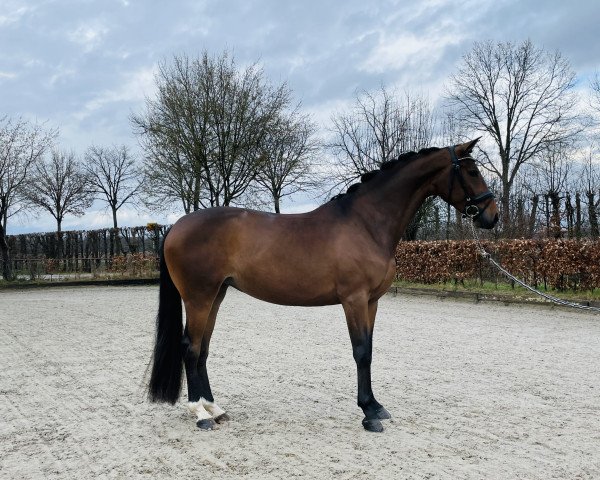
{"x": 525, "y": 197}
{"x": 208, "y": 120}
{"x": 173, "y": 131}
{"x": 590, "y": 186}
{"x": 169, "y": 177}
{"x": 287, "y": 158}
{"x": 553, "y": 175}
{"x": 22, "y": 145}
{"x": 113, "y": 176}
{"x": 378, "y": 128}
{"x": 59, "y": 187}
{"x": 519, "y": 96}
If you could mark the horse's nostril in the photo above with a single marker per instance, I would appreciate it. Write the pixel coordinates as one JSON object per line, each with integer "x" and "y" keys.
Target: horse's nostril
{"x": 485, "y": 221}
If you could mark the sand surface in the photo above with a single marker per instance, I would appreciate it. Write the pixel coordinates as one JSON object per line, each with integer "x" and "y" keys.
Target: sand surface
{"x": 475, "y": 391}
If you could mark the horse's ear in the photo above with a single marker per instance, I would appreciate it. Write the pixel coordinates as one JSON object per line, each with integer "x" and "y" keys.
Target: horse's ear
{"x": 467, "y": 148}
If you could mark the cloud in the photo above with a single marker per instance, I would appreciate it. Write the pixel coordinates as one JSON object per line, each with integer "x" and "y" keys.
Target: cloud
{"x": 11, "y": 12}
{"x": 132, "y": 89}
{"x": 7, "y": 75}
{"x": 407, "y": 50}
{"x": 89, "y": 35}
{"x": 61, "y": 72}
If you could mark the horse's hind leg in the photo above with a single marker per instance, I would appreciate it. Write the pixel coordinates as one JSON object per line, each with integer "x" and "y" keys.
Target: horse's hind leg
{"x": 200, "y": 322}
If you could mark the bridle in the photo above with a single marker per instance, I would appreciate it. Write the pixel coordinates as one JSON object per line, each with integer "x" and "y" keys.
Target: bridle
{"x": 471, "y": 208}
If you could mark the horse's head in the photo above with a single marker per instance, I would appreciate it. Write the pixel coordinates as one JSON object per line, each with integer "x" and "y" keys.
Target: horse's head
{"x": 466, "y": 189}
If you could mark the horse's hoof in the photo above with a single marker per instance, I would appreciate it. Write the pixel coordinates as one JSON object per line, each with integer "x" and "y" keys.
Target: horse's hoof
{"x": 372, "y": 425}
{"x": 206, "y": 424}
{"x": 222, "y": 418}
{"x": 383, "y": 414}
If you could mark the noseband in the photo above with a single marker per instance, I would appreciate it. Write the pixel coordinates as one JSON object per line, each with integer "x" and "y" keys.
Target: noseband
{"x": 471, "y": 208}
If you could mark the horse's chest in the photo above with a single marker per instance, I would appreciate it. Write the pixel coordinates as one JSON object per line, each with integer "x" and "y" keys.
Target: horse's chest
{"x": 386, "y": 277}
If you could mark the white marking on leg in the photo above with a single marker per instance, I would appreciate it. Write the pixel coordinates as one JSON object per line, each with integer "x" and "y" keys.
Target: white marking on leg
{"x": 198, "y": 409}
{"x": 212, "y": 408}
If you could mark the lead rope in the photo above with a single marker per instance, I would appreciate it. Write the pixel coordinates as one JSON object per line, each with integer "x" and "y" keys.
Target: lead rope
{"x": 559, "y": 301}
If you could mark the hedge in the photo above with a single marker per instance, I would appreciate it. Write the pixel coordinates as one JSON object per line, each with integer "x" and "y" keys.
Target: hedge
{"x": 558, "y": 264}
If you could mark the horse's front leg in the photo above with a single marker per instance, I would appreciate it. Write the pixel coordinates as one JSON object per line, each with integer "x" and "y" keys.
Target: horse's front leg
{"x": 360, "y": 316}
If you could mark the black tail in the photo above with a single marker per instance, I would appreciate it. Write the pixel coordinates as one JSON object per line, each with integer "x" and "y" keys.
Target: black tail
{"x": 165, "y": 382}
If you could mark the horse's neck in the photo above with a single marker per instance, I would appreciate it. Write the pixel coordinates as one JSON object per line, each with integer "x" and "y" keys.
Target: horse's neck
{"x": 388, "y": 206}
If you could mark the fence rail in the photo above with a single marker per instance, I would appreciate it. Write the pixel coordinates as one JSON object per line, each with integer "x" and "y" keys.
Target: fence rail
{"x": 52, "y": 269}
{"x": 131, "y": 251}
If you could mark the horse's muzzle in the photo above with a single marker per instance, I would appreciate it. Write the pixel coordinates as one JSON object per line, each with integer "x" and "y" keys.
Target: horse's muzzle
{"x": 486, "y": 221}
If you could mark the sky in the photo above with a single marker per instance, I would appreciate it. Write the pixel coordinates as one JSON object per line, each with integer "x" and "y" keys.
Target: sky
{"x": 86, "y": 66}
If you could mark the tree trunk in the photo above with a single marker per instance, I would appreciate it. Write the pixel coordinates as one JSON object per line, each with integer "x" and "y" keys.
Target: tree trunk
{"x": 505, "y": 206}
{"x": 520, "y": 220}
{"x": 114, "y": 215}
{"x": 577, "y": 215}
{"x": 555, "y": 229}
{"x": 112, "y": 243}
{"x": 547, "y": 212}
{"x": 505, "y": 213}
{"x": 59, "y": 244}
{"x": 276, "y": 201}
{"x": 592, "y": 214}
{"x": 534, "y": 206}
{"x": 459, "y": 225}
{"x": 7, "y": 271}
{"x": 410, "y": 233}
{"x": 570, "y": 212}
{"x": 436, "y": 222}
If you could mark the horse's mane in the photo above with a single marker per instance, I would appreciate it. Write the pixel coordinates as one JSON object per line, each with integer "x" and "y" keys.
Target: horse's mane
{"x": 384, "y": 168}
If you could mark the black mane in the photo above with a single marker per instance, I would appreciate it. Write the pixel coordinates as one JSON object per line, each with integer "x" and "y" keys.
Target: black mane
{"x": 384, "y": 167}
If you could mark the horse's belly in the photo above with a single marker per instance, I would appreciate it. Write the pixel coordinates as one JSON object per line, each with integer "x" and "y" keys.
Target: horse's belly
{"x": 293, "y": 290}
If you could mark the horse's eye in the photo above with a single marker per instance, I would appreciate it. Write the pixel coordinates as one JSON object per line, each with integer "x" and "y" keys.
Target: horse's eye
{"x": 473, "y": 173}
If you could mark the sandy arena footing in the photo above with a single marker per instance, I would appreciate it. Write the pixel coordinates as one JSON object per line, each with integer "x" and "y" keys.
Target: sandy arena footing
{"x": 475, "y": 390}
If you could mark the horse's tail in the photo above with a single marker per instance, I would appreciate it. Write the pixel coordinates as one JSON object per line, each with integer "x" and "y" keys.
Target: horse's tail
{"x": 165, "y": 381}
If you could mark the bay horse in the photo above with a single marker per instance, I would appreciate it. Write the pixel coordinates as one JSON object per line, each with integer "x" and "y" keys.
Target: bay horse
{"x": 340, "y": 253}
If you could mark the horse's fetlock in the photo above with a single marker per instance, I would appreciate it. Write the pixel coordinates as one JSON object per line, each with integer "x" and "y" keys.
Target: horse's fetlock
{"x": 366, "y": 403}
